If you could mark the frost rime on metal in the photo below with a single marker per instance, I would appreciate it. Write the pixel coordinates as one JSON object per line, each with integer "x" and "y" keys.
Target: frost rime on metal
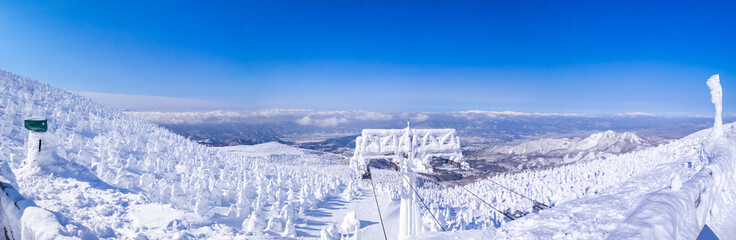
{"x": 413, "y": 151}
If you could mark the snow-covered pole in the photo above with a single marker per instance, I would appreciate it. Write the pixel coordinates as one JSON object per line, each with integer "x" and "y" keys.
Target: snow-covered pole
{"x": 716, "y": 96}
{"x": 37, "y": 135}
{"x": 408, "y": 211}
{"x": 680, "y": 212}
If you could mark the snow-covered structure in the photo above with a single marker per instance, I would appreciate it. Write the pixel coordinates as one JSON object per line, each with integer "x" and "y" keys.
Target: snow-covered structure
{"x": 716, "y": 97}
{"x": 408, "y": 147}
{"x": 20, "y": 218}
{"x": 412, "y": 150}
{"x": 707, "y": 198}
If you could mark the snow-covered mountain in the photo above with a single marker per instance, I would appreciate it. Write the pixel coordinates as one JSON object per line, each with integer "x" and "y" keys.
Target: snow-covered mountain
{"x": 103, "y": 174}
{"x": 549, "y": 152}
{"x": 608, "y": 142}
{"x": 106, "y": 174}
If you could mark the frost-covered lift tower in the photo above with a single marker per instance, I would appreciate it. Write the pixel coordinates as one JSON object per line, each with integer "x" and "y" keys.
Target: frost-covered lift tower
{"x": 412, "y": 150}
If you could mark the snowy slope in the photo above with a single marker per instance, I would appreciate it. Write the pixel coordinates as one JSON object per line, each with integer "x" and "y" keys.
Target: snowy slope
{"x": 664, "y": 192}
{"x": 126, "y": 173}
{"x": 550, "y": 152}
{"x": 590, "y": 199}
{"x": 104, "y": 174}
{"x": 608, "y": 141}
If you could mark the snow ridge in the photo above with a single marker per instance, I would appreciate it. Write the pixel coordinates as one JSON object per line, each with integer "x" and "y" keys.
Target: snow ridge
{"x": 608, "y": 141}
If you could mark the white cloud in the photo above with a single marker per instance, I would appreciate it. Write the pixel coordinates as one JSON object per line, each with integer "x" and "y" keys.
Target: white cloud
{"x": 420, "y": 117}
{"x": 635, "y": 114}
{"x": 304, "y": 121}
{"x": 512, "y": 113}
{"x": 327, "y": 122}
{"x": 280, "y": 112}
{"x": 366, "y": 116}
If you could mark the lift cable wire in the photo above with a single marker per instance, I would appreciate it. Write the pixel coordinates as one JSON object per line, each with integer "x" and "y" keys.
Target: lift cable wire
{"x": 511, "y": 190}
{"x": 484, "y": 201}
{"x": 377, "y": 207}
{"x": 422, "y": 200}
{"x": 534, "y": 201}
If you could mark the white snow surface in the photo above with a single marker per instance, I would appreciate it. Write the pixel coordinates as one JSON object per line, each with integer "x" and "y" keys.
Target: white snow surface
{"x": 109, "y": 175}
{"x": 105, "y": 174}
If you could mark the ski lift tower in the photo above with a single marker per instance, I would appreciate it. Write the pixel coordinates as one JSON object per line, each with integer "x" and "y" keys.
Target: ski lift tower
{"x": 412, "y": 150}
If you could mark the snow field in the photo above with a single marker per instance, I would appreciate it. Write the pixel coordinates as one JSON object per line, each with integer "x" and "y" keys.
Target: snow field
{"x": 104, "y": 174}
{"x": 589, "y": 198}
{"x": 107, "y": 165}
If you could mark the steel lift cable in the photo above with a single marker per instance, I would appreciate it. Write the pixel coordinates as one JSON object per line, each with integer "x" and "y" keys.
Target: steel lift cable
{"x": 422, "y": 200}
{"x": 511, "y": 190}
{"x": 484, "y": 201}
{"x": 377, "y": 207}
{"x": 534, "y": 201}
{"x": 537, "y": 205}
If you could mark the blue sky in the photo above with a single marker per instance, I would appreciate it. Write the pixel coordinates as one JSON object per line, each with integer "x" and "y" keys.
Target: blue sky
{"x": 531, "y": 56}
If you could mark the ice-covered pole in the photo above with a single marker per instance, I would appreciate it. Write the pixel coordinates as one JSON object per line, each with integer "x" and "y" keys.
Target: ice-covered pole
{"x": 716, "y": 96}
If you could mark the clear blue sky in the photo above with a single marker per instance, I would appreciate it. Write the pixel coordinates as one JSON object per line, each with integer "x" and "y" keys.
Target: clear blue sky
{"x": 532, "y": 56}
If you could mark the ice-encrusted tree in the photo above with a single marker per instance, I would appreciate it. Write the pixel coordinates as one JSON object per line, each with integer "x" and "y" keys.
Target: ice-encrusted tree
{"x": 716, "y": 96}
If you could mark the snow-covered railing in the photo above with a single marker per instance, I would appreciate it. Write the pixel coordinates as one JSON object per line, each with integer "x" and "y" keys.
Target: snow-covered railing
{"x": 21, "y": 219}
{"x": 412, "y": 150}
{"x": 681, "y": 211}
{"x": 419, "y": 146}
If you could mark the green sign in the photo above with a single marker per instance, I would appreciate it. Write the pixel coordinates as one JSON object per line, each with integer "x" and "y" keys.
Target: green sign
{"x": 36, "y": 125}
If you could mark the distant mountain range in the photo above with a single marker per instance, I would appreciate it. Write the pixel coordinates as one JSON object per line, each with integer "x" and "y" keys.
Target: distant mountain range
{"x": 333, "y": 131}
{"x": 549, "y": 152}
